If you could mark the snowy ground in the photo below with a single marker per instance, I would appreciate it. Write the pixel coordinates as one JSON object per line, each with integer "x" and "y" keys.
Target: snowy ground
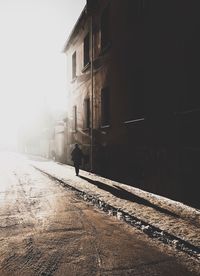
{"x": 171, "y": 216}
{"x": 46, "y": 229}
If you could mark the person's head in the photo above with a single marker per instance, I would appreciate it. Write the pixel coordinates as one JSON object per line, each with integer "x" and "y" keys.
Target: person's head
{"x": 76, "y": 145}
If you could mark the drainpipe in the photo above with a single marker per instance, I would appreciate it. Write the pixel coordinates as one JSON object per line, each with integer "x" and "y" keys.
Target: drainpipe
{"x": 92, "y": 94}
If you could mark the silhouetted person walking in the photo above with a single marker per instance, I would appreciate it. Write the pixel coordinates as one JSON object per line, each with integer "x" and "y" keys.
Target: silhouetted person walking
{"x": 77, "y": 156}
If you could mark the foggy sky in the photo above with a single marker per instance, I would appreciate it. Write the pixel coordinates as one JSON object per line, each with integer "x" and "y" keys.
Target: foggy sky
{"x": 32, "y": 66}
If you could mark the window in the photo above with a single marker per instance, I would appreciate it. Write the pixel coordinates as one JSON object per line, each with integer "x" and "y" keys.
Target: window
{"x": 86, "y": 49}
{"x": 86, "y": 113}
{"x": 192, "y": 71}
{"x": 74, "y": 65}
{"x": 130, "y": 104}
{"x": 105, "y": 106}
{"x": 74, "y": 118}
{"x": 139, "y": 92}
{"x": 105, "y": 28}
{"x": 135, "y": 96}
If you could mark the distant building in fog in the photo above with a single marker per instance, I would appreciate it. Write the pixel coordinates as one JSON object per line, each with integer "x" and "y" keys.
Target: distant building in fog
{"x": 134, "y": 104}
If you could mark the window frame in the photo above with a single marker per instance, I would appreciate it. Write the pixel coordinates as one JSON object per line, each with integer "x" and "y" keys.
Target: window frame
{"x": 74, "y": 118}
{"x": 134, "y": 97}
{"x": 86, "y": 120}
{"x": 74, "y": 65}
{"x": 86, "y": 50}
{"x": 105, "y": 107}
{"x": 105, "y": 28}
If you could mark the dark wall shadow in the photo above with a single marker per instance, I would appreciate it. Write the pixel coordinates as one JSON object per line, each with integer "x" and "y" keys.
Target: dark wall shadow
{"x": 123, "y": 194}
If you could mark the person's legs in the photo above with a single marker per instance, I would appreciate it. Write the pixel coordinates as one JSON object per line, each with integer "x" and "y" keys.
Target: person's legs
{"x": 76, "y": 165}
{"x": 77, "y": 171}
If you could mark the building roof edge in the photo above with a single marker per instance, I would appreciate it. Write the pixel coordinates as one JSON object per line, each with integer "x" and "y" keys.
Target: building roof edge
{"x": 81, "y": 16}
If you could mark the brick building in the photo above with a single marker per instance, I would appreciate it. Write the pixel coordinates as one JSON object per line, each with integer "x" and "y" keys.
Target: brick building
{"x": 133, "y": 100}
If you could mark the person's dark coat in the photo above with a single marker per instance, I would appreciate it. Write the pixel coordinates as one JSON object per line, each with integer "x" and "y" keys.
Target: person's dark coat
{"x": 77, "y": 155}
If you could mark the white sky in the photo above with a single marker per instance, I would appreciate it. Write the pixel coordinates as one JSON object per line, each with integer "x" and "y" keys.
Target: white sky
{"x": 32, "y": 67}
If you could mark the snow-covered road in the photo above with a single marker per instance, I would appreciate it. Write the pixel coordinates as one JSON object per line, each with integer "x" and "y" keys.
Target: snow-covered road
{"x": 45, "y": 229}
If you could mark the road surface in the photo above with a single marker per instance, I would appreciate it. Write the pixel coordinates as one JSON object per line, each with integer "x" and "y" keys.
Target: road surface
{"x": 45, "y": 229}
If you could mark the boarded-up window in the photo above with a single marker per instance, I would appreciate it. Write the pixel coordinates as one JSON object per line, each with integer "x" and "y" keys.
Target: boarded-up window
{"x": 86, "y": 46}
{"x": 105, "y": 106}
{"x": 87, "y": 113}
{"x": 74, "y": 118}
{"x": 74, "y": 65}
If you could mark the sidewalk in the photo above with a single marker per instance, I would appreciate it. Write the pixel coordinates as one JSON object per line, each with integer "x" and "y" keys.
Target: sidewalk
{"x": 149, "y": 211}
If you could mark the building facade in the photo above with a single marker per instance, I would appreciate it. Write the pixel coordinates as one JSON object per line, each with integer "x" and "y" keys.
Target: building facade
{"x": 133, "y": 97}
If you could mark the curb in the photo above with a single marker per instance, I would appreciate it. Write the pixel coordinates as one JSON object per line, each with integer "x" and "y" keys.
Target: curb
{"x": 147, "y": 228}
